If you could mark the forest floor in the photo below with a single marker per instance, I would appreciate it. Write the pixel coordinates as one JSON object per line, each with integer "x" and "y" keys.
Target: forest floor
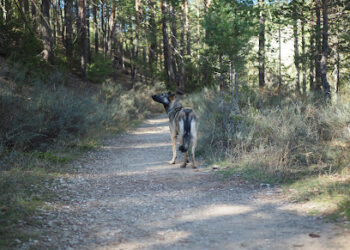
{"x": 126, "y": 196}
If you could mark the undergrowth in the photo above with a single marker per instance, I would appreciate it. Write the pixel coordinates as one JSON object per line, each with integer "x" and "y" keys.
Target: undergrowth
{"x": 280, "y": 139}
{"x": 44, "y": 126}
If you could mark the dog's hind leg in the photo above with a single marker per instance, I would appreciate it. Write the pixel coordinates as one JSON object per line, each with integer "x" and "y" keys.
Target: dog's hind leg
{"x": 183, "y": 165}
{"x": 173, "y": 141}
{"x": 194, "y": 144}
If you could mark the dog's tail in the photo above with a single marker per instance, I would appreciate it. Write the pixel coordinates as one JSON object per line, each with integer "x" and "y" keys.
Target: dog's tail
{"x": 187, "y": 131}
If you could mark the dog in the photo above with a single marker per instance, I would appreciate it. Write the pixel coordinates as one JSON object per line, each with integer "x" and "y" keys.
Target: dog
{"x": 183, "y": 123}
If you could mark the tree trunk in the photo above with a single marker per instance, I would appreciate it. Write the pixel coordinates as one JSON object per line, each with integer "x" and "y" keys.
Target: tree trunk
{"x": 26, "y": 7}
{"x": 34, "y": 16}
{"x": 166, "y": 50}
{"x": 62, "y": 22}
{"x": 312, "y": 50}
{"x": 337, "y": 53}
{"x": 153, "y": 36}
{"x": 325, "y": 84}
{"x": 95, "y": 11}
{"x": 83, "y": 39}
{"x": 107, "y": 27}
{"x": 183, "y": 47}
{"x": 87, "y": 25}
{"x": 8, "y": 10}
{"x": 77, "y": 18}
{"x": 188, "y": 33}
{"x": 296, "y": 46}
{"x": 133, "y": 56}
{"x": 261, "y": 46}
{"x": 338, "y": 67}
{"x": 205, "y": 70}
{"x": 46, "y": 30}
{"x": 137, "y": 27}
{"x": 69, "y": 27}
{"x": 279, "y": 56}
{"x": 174, "y": 46}
{"x": 112, "y": 26}
{"x": 221, "y": 93}
{"x": 54, "y": 23}
{"x": 103, "y": 27}
{"x": 57, "y": 17}
{"x": 303, "y": 65}
{"x": 318, "y": 46}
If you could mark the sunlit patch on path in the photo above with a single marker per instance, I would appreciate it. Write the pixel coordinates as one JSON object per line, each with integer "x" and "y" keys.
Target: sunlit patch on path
{"x": 126, "y": 196}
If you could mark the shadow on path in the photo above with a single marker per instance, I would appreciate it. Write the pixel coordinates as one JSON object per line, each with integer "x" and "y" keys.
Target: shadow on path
{"x": 126, "y": 196}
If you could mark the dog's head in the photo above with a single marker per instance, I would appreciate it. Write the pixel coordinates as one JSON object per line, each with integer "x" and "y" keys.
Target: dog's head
{"x": 164, "y": 98}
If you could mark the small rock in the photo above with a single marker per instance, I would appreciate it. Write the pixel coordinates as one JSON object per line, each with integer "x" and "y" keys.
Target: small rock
{"x": 215, "y": 167}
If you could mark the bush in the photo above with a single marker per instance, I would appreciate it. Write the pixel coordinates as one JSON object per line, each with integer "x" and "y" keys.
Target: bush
{"x": 100, "y": 69}
{"x": 283, "y": 142}
{"x": 47, "y": 116}
{"x": 135, "y": 104}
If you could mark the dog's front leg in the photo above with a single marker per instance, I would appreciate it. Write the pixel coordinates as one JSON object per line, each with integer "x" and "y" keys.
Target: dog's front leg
{"x": 173, "y": 141}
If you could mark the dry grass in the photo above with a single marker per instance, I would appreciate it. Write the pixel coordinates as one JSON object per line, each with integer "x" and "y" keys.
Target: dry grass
{"x": 281, "y": 139}
{"x": 45, "y": 126}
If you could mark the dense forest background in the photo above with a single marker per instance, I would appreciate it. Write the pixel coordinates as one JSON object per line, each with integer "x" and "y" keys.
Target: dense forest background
{"x": 269, "y": 81}
{"x": 299, "y": 45}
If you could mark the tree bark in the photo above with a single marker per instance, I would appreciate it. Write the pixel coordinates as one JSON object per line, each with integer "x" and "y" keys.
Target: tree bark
{"x": 188, "y": 33}
{"x": 77, "y": 18}
{"x": 166, "y": 50}
{"x": 95, "y": 11}
{"x": 26, "y": 7}
{"x": 107, "y": 27}
{"x": 46, "y": 31}
{"x": 62, "y": 22}
{"x": 87, "y": 24}
{"x": 336, "y": 51}
{"x": 279, "y": 56}
{"x": 34, "y": 16}
{"x": 318, "y": 46}
{"x": 312, "y": 50}
{"x": 296, "y": 46}
{"x": 69, "y": 27}
{"x": 137, "y": 30}
{"x": 325, "y": 84}
{"x": 152, "y": 36}
{"x": 112, "y": 27}
{"x": 173, "y": 42}
{"x": 303, "y": 65}
{"x": 261, "y": 45}
{"x": 83, "y": 39}
{"x": 205, "y": 71}
{"x": 183, "y": 47}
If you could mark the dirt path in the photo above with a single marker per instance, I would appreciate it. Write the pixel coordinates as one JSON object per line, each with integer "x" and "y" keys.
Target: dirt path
{"x": 126, "y": 196}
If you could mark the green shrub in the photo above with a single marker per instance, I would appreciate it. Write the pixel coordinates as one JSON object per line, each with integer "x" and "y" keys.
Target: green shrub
{"x": 135, "y": 104}
{"x": 47, "y": 116}
{"x": 100, "y": 69}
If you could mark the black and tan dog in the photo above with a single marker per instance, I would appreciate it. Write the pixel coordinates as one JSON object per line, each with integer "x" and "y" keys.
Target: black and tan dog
{"x": 183, "y": 123}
